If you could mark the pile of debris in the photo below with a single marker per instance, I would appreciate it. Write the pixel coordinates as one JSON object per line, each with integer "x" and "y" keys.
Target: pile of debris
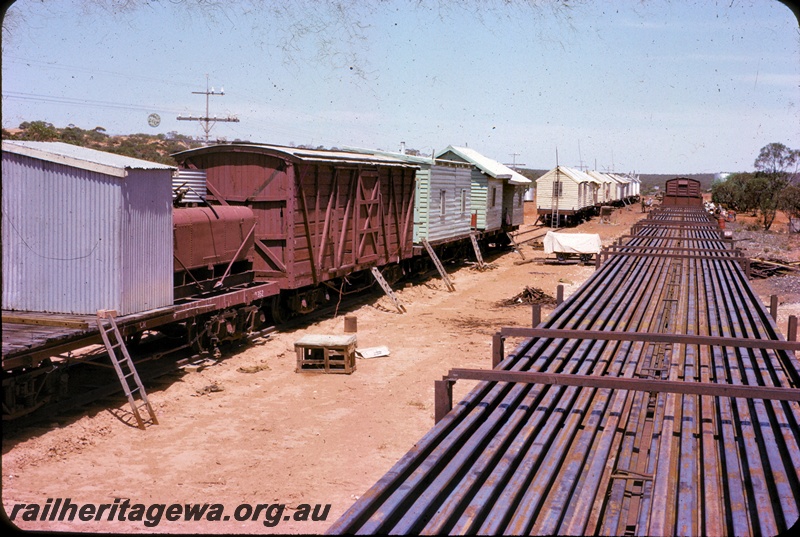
{"x": 531, "y": 295}
{"x": 765, "y": 268}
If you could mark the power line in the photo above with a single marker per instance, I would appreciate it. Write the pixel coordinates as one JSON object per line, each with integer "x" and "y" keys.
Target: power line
{"x": 78, "y": 101}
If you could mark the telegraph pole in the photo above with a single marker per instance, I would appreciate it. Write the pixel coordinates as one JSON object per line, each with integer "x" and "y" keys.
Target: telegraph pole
{"x": 207, "y": 122}
{"x": 514, "y": 164}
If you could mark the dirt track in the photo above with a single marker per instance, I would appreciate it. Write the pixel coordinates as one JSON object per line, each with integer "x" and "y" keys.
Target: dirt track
{"x": 265, "y": 434}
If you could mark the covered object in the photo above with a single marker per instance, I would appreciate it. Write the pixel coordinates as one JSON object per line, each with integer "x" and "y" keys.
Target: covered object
{"x": 320, "y": 214}
{"x": 572, "y": 243}
{"x": 84, "y": 230}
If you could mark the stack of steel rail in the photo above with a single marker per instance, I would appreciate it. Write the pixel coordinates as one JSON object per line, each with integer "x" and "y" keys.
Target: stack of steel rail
{"x": 610, "y": 437}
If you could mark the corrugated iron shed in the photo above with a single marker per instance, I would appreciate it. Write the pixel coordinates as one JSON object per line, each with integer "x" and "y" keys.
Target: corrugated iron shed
{"x": 84, "y": 230}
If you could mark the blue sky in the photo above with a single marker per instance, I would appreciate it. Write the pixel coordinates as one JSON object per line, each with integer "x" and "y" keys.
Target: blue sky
{"x": 653, "y": 87}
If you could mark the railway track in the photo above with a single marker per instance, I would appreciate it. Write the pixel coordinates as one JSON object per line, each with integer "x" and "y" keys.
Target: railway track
{"x": 604, "y": 458}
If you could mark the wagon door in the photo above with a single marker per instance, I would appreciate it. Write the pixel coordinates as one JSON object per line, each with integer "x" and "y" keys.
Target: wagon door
{"x": 367, "y": 225}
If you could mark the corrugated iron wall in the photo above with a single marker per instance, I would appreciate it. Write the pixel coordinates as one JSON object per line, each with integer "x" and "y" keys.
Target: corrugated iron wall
{"x": 546, "y": 458}
{"x": 146, "y": 241}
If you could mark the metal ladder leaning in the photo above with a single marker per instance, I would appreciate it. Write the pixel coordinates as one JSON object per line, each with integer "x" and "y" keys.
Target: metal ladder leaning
{"x": 477, "y": 249}
{"x": 387, "y": 289}
{"x": 125, "y": 368}
{"x": 439, "y": 266}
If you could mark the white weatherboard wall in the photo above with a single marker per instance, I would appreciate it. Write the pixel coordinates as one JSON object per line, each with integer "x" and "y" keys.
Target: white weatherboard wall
{"x": 431, "y": 221}
{"x": 78, "y": 240}
{"x": 569, "y": 200}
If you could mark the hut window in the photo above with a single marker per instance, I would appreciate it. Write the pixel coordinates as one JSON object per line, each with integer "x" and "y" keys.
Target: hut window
{"x": 442, "y": 202}
{"x": 463, "y": 201}
{"x": 494, "y": 196}
{"x": 558, "y": 188}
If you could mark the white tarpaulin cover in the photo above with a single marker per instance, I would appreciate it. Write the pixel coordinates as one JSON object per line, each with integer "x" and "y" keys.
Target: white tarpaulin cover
{"x": 572, "y": 243}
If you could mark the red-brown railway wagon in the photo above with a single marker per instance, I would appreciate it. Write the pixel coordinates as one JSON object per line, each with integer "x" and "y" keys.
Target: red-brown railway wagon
{"x": 319, "y": 214}
{"x": 682, "y": 192}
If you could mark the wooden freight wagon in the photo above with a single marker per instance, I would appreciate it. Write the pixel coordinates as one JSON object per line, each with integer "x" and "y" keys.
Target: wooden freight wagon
{"x": 684, "y": 192}
{"x": 320, "y": 214}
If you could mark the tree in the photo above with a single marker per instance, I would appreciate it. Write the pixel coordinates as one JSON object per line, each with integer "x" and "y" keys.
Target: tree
{"x": 38, "y": 131}
{"x": 776, "y": 167}
{"x": 777, "y": 159}
{"x": 790, "y": 204}
{"x": 765, "y": 191}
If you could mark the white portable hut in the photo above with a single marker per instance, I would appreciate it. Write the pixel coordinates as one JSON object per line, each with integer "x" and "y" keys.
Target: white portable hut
{"x": 84, "y": 230}
{"x": 609, "y": 187}
{"x": 568, "y": 191}
{"x": 623, "y": 186}
{"x": 497, "y": 190}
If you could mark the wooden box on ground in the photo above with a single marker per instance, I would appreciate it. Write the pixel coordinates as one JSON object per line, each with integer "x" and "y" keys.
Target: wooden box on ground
{"x": 326, "y": 353}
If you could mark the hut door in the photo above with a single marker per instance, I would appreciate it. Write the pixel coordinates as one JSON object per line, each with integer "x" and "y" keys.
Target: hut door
{"x": 367, "y": 223}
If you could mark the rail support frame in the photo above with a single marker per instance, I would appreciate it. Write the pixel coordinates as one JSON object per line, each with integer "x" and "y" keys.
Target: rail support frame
{"x": 559, "y": 294}
{"x": 536, "y": 315}
{"x": 791, "y": 331}
{"x": 443, "y": 398}
{"x": 498, "y": 349}
{"x": 773, "y": 307}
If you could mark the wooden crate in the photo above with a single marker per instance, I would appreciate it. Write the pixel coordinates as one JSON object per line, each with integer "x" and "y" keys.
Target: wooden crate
{"x": 326, "y": 353}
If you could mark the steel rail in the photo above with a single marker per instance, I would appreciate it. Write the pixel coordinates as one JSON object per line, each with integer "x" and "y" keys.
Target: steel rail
{"x": 520, "y": 457}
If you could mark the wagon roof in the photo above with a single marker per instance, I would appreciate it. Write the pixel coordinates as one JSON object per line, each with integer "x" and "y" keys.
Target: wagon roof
{"x": 81, "y": 157}
{"x": 488, "y": 166}
{"x": 416, "y": 159}
{"x": 300, "y": 155}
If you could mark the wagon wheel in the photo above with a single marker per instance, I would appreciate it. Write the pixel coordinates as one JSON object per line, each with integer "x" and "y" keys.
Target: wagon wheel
{"x": 278, "y": 310}
{"x": 133, "y": 340}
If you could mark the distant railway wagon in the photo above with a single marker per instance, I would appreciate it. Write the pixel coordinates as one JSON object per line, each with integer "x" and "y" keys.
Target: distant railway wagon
{"x": 683, "y": 192}
{"x": 319, "y": 215}
{"x": 497, "y": 191}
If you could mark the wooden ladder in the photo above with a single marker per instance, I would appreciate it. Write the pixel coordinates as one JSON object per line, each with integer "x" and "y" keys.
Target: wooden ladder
{"x": 516, "y": 246}
{"x": 387, "y": 289}
{"x": 473, "y": 237}
{"x": 556, "y": 193}
{"x": 128, "y": 377}
{"x": 439, "y": 266}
